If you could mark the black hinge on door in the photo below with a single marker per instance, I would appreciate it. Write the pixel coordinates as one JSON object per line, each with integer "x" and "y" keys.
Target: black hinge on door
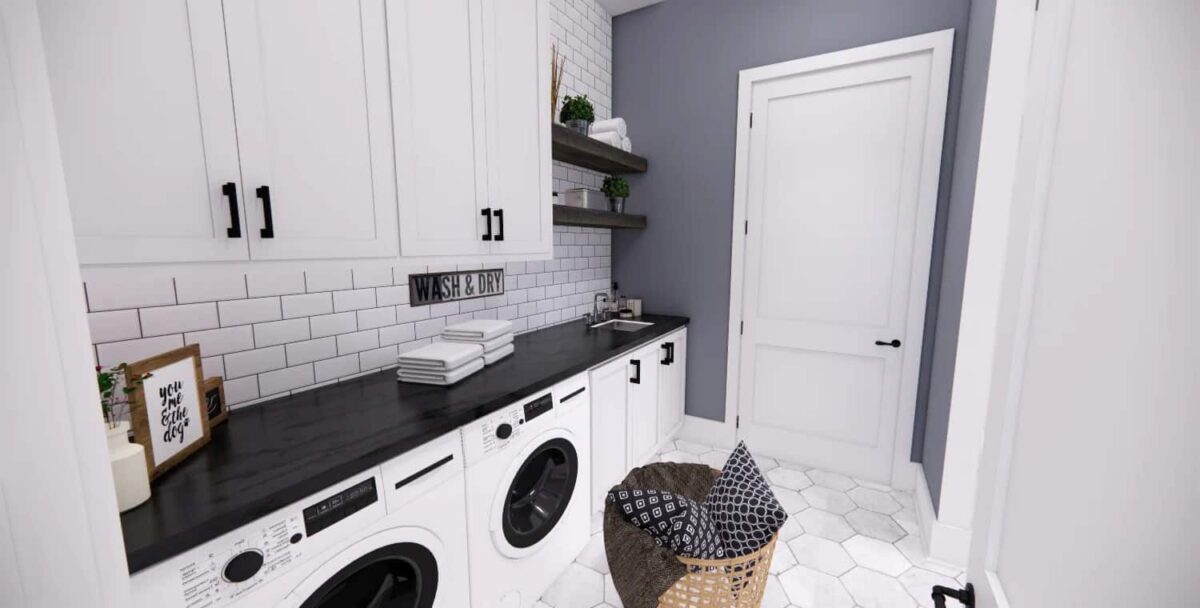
{"x": 752, "y": 120}
{"x": 741, "y": 327}
{"x": 965, "y": 596}
{"x": 737, "y": 422}
{"x": 746, "y": 228}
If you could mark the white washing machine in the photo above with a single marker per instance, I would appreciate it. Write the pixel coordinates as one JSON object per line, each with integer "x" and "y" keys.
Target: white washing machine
{"x": 393, "y": 536}
{"x": 528, "y": 481}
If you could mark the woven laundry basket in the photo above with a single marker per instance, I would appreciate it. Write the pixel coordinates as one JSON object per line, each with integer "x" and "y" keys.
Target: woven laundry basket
{"x": 737, "y": 582}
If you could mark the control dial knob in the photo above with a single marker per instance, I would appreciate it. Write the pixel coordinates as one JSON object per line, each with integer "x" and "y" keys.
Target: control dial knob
{"x": 504, "y": 431}
{"x": 243, "y": 566}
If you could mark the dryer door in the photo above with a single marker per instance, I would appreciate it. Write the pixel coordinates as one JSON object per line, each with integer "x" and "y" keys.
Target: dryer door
{"x": 540, "y": 492}
{"x": 399, "y": 575}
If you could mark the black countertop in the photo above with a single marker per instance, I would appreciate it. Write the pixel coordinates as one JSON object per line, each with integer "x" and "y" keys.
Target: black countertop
{"x": 268, "y": 456}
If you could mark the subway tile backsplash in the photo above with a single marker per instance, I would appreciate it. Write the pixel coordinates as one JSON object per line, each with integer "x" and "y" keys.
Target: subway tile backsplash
{"x": 340, "y": 325}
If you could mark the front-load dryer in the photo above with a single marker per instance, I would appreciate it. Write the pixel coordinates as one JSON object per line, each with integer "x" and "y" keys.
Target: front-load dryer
{"x": 528, "y": 479}
{"x": 393, "y": 536}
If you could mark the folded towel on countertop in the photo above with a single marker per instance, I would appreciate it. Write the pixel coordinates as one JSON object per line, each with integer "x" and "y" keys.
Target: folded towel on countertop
{"x": 488, "y": 345}
{"x": 498, "y": 354}
{"x": 615, "y": 125}
{"x": 609, "y": 137}
{"x": 479, "y": 329}
{"x": 440, "y": 356}
{"x": 444, "y": 378}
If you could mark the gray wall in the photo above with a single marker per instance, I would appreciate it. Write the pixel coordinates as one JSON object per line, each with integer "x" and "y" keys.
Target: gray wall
{"x": 942, "y": 318}
{"x": 675, "y": 69}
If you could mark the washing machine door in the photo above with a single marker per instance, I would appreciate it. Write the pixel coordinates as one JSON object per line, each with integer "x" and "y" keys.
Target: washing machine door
{"x": 539, "y": 492}
{"x": 399, "y": 575}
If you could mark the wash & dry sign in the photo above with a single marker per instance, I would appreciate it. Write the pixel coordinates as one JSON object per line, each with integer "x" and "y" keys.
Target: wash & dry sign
{"x": 437, "y": 287}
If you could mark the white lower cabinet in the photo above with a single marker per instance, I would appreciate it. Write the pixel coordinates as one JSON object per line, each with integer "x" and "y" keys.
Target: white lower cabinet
{"x": 637, "y": 403}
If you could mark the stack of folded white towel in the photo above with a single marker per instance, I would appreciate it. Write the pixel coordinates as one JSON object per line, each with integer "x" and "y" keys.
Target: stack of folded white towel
{"x": 461, "y": 350}
{"x": 612, "y": 132}
{"x": 495, "y": 337}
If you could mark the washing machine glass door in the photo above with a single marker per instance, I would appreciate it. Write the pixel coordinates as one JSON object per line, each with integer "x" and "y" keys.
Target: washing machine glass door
{"x": 401, "y": 575}
{"x": 540, "y": 492}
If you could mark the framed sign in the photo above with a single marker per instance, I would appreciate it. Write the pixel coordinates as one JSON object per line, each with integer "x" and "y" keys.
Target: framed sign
{"x": 167, "y": 409}
{"x": 214, "y": 400}
{"x": 438, "y": 287}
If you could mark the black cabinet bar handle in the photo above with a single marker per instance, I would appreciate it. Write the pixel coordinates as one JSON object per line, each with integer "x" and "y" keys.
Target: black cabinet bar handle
{"x": 488, "y": 214}
{"x": 671, "y": 352}
{"x": 893, "y": 343}
{"x": 666, "y": 360}
{"x": 637, "y": 366}
{"x": 423, "y": 472}
{"x": 499, "y": 213}
{"x": 234, "y": 231}
{"x": 573, "y": 394}
{"x": 268, "y": 229}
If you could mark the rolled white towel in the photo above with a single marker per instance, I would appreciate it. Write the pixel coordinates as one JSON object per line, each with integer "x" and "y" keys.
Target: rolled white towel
{"x": 626, "y": 145}
{"x": 616, "y": 125}
{"x": 609, "y": 137}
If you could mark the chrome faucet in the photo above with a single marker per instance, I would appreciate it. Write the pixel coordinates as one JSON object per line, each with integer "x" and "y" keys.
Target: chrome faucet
{"x": 598, "y": 315}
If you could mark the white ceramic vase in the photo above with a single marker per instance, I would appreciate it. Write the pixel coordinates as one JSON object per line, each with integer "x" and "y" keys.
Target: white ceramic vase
{"x": 128, "y": 462}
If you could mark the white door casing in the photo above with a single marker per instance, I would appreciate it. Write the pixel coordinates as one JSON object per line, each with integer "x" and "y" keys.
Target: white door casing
{"x": 146, "y": 129}
{"x": 837, "y": 179}
{"x": 1089, "y": 443}
{"x": 310, "y": 90}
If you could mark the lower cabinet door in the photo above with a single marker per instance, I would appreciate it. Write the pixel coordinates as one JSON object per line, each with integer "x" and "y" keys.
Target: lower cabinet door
{"x": 671, "y": 383}
{"x": 642, "y": 409}
{"x": 608, "y": 428}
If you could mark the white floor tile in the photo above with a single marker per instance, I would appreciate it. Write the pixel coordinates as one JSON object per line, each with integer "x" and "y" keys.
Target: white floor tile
{"x": 791, "y": 529}
{"x": 809, "y": 588}
{"x": 824, "y": 524}
{"x": 877, "y": 555}
{"x": 833, "y": 481}
{"x": 875, "y": 525}
{"x": 919, "y": 582}
{"x": 789, "y": 478}
{"x": 680, "y": 456}
{"x": 715, "y": 459}
{"x": 871, "y": 589}
{"x": 774, "y": 596}
{"x": 829, "y": 500}
{"x": 766, "y": 464}
{"x": 874, "y": 500}
{"x": 692, "y": 448}
{"x": 610, "y": 592}
{"x": 821, "y": 554}
{"x": 593, "y": 555}
{"x": 578, "y": 587}
{"x": 790, "y": 500}
{"x": 782, "y": 559}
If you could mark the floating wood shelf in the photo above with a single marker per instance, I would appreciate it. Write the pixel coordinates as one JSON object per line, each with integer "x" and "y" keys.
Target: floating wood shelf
{"x": 582, "y": 151}
{"x": 595, "y": 218}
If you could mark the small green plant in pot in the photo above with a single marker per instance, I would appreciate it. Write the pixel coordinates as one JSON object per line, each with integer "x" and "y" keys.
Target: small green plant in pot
{"x": 577, "y": 113}
{"x": 616, "y": 189}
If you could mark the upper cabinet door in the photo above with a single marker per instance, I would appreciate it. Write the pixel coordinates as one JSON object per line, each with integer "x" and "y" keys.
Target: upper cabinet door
{"x": 145, "y": 123}
{"x": 310, "y": 90}
{"x": 516, "y": 44}
{"x": 438, "y": 112}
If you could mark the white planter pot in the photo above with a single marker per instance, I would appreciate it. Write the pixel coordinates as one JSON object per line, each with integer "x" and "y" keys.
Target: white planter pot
{"x": 128, "y": 462}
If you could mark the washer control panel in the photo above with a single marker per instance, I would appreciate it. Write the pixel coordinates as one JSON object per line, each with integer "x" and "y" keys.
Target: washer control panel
{"x": 501, "y": 428}
{"x": 219, "y": 577}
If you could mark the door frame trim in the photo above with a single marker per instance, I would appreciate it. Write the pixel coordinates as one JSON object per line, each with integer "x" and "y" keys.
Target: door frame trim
{"x": 940, "y": 44}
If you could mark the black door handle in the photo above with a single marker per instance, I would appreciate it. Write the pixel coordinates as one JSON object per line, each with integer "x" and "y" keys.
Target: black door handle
{"x": 637, "y": 366}
{"x": 893, "y": 343}
{"x": 965, "y": 596}
{"x": 499, "y": 213}
{"x": 671, "y": 352}
{"x": 268, "y": 229}
{"x": 487, "y": 212}
{"x": 235, "y": 230}
{"x": 666, "y": 360}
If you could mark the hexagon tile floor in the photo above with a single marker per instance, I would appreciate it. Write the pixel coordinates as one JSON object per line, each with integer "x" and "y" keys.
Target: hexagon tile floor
{"x": 847, "y": 544}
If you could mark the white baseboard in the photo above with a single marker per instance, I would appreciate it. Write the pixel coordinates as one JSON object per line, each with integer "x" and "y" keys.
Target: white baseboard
{"x": 708, "y": 432}
{"x": 944, "y": 543}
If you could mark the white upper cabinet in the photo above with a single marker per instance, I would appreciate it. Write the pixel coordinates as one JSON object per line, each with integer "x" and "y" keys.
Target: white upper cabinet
{"x": 438, "y": 119}
{"x": 471, "y": 97}
{"x": 517, "y": 85}
{"x": 310, "y": 90}
{"x": 145, "y": 124}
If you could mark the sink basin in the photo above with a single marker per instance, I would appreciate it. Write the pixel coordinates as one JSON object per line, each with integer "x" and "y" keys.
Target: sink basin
{"x": 622, "y": 325}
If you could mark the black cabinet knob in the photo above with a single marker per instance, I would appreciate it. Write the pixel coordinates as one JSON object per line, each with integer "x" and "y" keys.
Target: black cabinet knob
{"x": 504, "y": 431}
{"x": 243, "y": 566}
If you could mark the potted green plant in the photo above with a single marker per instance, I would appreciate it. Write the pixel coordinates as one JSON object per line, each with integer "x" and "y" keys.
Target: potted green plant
{"x": 616, "y": 189}
{"x": 128, "y": 460}
{"x": 577, "y": 113}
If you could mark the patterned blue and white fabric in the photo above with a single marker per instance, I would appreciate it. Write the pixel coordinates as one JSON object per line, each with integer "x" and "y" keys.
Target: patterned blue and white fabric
{"x": 742, "y": 505}
{"x": 673, "y": 521}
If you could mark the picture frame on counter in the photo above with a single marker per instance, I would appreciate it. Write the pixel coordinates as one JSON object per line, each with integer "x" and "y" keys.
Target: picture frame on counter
{"x": 214, "y": 400}
{"x": 167, "y": 410}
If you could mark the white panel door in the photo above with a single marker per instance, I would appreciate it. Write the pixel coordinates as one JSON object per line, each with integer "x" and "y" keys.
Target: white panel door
{"x": 310, "y": 83}
{"x": 516, "y": 45}
{"x": 438, "y": 111}
{"x": 1088, "y": 487}
{"x": 642, "y": 409}
{"x": 841, "y": 193}
{"x": 145, "y": 122}
{"x": 609, "y": 397}
{"x": 671, "y": 383}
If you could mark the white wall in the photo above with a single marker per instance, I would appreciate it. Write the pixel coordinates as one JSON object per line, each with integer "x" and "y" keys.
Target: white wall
{"x": 269, "y": 334}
